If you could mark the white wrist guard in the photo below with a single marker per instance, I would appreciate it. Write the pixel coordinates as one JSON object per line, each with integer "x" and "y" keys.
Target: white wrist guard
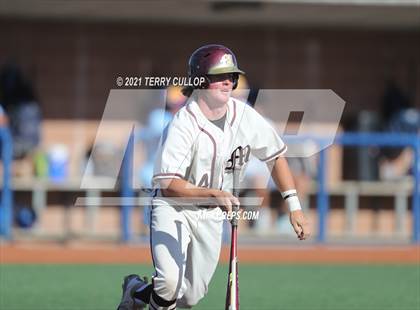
{"x": 292, "y": 200}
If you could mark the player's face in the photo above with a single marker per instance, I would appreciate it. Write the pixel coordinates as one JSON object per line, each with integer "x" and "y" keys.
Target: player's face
{"x": 220, "y": 87}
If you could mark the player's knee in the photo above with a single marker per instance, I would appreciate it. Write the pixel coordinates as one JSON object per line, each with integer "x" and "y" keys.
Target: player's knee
{"x": 191, "y": 299}
{"x": 173, "y": 285}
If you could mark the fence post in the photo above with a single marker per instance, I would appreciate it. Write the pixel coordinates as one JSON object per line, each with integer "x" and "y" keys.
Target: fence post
{"x": 127, "y": 191}
{"x": 6, "y": 210}
{"x": 322, "y": 196}
{"x": 416, "y": 191}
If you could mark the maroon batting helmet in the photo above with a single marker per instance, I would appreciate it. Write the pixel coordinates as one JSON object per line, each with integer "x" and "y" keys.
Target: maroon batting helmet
{"x": 213, "y": 59}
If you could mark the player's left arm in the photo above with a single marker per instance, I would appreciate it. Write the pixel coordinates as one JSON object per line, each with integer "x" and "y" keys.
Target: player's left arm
{"x": 269, "y": 147}
{"x": 284, "y": 180}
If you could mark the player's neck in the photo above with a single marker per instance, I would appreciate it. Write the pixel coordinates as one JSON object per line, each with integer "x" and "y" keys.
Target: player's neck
{"x": 212, "y": 111}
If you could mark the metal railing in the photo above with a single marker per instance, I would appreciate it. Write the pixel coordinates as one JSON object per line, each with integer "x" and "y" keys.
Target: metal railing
{"x": 346, "y": 139}
{"x": 369, "y": 139}
{"x": 6, "y": 210}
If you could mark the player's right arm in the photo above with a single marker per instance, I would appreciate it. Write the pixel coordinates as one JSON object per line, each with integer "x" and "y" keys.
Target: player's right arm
{"x": 179, "y": 188}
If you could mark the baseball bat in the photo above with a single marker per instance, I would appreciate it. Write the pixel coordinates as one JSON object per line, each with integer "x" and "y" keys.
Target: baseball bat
{"x": 232, "y": 294}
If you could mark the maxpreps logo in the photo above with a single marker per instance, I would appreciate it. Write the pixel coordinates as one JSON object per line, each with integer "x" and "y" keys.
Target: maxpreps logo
{"x": 238, "y": 158}
{"x": 123, "y": 124}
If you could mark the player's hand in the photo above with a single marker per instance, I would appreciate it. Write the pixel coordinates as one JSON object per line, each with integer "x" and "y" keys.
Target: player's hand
{"x": 225, "y": 200}
{"x": 300, "y": 224}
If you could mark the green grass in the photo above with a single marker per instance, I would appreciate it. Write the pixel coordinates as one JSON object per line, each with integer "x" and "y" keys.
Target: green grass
{"x": 317, "y": 287}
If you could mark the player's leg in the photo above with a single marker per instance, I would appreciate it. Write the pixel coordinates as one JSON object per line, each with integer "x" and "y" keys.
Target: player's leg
{"x": 169, "y": 240}
{"x": 203, "y": 256}
{"x": 170, "y": 237}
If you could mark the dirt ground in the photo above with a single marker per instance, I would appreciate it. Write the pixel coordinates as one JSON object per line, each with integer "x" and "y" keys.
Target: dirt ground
{"x": 28, "y": 253}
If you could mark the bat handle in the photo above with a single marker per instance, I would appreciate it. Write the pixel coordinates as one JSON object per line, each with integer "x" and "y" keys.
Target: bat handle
{"x": 232, "y": 294}
{"x": 235, "y": 216}
{"x": 235, "y": 192}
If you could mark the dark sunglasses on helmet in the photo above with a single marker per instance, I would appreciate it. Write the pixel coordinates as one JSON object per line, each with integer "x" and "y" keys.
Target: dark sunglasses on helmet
{"x": 213, "y": 78}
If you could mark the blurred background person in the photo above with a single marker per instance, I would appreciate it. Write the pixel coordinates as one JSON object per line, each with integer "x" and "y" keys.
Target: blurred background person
{"x": 19, "y": 101}
{"x": 24, "y": 121}
{"x": 398, "y": 116}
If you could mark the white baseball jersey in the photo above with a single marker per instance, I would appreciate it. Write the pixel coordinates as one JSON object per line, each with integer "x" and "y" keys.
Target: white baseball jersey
{"x": 195, "y": 149}
{"x": 186, "y": 247}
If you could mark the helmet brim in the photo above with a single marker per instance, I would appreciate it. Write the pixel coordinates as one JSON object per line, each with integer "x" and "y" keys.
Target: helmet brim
{"x": 223, "y": 70}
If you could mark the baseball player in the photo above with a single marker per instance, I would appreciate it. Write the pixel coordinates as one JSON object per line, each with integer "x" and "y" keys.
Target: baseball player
{"x": 209, "y": 138}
